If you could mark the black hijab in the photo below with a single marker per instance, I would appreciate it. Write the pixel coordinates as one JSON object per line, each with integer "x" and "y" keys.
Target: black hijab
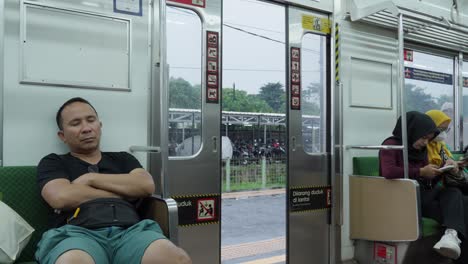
{"x": 417, "y": 126}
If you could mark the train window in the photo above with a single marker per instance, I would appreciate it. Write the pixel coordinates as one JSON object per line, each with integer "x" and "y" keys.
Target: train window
{"x": 314, "y": 83}
{"x": 429, "y": 84}
{"x": 465, "y": 103}
{"x": 184, "y": 56}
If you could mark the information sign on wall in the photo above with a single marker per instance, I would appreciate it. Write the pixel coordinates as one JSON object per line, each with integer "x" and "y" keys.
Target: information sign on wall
{"x": 428, "y": 76}
{"x": 309, "y": 198}
{"x": 129, "y": 7}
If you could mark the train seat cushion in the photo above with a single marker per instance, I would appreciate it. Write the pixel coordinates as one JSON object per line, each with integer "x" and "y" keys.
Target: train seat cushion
{"x": 369, "y": 166}
{"x": 19, "y": 191}
{"x": 16, "y": 233}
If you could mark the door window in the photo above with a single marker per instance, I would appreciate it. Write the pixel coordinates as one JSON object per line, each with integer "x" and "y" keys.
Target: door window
{"x": 313, "y": 95}
{"x": 184, "y": 56}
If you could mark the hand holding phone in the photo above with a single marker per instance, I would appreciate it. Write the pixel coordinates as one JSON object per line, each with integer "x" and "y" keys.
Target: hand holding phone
{"x": 447, "y": 168}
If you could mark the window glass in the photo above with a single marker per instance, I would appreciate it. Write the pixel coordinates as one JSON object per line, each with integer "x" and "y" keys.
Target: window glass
{"x": 313, "y": 83}
{"x": 184, "y": 48}
{"x": 429, "y": 84}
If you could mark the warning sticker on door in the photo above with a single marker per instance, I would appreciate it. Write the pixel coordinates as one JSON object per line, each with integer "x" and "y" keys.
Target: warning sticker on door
{"x": 321, "y": 24}
{"x": 212, "y": 67}
{"x": 205, "y": 208}
{"x": 198, "y": 209}
{"x": 295, "y": 79}
{"x": 309, "y": 198}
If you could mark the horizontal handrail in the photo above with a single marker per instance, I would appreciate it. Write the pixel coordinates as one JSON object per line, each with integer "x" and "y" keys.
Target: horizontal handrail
{"x": 374, "y": 147}
{"x": 150, "y": 149}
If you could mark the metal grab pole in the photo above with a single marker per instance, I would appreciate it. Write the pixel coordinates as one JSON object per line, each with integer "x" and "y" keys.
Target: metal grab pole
{"x": 164, "y": 96}
{"x": 263, "y": 172}
{"x": 401, "y": 84}
{"x": 459, "y": 144}
{"x": 228, "y": 175}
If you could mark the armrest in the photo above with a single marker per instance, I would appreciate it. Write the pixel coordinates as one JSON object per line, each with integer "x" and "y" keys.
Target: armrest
{"x": 384, "y": 210}
{"x": 164, "y": 211}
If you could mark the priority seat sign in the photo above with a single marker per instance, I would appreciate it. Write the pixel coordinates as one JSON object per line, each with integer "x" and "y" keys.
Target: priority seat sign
{"x": 309, "y": 198}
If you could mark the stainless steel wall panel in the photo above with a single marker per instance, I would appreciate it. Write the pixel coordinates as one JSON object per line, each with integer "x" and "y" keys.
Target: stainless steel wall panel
{"x": 308, "y": 231}
{"x": 200, "y": 174}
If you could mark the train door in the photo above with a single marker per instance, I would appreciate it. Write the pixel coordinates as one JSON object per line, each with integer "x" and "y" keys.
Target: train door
{"x": 192, "y": 77}
{"x": 309, "y": 191}
{"x": 55, "y": 50}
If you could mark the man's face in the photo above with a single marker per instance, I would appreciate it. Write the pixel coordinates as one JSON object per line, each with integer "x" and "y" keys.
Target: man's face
{"x": 81, "y": 128}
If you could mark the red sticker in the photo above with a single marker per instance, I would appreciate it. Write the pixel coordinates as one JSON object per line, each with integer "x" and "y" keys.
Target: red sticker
{"x": 198, "y": 3}
{"x": 295, "y": 79}
{"x": 212, "y": 67}
{"x": 408, "y": 55}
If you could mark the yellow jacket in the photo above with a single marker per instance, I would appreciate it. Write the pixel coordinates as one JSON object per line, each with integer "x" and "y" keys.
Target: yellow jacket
{"x": 434, "y": 148}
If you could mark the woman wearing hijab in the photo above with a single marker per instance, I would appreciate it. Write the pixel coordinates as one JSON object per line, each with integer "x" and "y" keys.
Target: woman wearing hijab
{"x": 437, "y": 151}
{"x": 442, "y": 204}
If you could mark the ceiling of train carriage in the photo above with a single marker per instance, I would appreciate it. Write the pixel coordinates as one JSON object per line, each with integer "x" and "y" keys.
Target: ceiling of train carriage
{"x": 428, "y": 22}
{"x": 455, "y": 11}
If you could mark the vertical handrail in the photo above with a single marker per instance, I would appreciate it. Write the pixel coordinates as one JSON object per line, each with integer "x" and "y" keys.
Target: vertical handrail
{"x": 401, "y": 84}
{"x": 459, "y": 106}
{"x": 2, "y": 68}
{"x": 164, "y": 95}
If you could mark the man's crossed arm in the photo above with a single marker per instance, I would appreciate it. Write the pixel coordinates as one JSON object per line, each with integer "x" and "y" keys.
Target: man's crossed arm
{"x": 63, "y": 194}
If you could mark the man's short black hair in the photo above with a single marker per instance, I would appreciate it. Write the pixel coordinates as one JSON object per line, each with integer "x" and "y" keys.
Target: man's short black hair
{"x": 59, "y": 118}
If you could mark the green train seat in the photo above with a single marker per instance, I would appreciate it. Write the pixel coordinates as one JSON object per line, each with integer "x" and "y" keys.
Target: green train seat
{"x": 18, "y": 190}
{"x": 392, "y": 195}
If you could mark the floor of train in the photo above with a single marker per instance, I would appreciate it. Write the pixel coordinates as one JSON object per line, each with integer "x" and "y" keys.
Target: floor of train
{"x": 253, "y": 227}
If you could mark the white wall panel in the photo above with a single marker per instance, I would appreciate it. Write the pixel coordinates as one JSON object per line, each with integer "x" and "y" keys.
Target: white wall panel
{"x": 67, "y": 47}
{"x": 364, "y": 125}
{"x": 371, "y": 84}
{"x": 29, "y": 109}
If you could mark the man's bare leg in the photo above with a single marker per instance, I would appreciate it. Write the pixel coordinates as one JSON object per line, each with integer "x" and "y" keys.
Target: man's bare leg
{"x": 163, "y": 251}
{"x": 75, "y": 256}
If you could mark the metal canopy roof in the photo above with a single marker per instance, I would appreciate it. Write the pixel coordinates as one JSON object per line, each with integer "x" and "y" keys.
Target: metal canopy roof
{"x": 423, "y": 28}
{"x": 177, "y": 115}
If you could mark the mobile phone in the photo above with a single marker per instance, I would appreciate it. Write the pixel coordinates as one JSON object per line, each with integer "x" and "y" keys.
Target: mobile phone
{"x": 447, "y": 168}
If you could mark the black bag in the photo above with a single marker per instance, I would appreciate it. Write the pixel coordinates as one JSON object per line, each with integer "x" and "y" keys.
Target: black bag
{"x": 104, "y": 212}
{"x": 459, "y": 179}
{"x": 452, "y": 179}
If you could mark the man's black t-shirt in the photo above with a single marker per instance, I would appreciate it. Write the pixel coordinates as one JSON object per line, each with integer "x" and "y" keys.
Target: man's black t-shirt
{"x": 66, "y": 166}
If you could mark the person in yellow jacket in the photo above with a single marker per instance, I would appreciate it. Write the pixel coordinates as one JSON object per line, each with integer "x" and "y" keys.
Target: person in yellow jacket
{"x": 437, "y": 151}
{"x": 450, "y": 197}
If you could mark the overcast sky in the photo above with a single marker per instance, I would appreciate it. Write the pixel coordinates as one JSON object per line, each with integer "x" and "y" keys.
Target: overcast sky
{"x": 250, "y": 61}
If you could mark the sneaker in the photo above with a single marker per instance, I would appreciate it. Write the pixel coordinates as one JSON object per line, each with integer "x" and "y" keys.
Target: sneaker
{"x": 449, "y": 245}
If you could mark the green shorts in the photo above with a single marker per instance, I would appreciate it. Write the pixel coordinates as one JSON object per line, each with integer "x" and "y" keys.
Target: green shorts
{"x": 105, "y": 245}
